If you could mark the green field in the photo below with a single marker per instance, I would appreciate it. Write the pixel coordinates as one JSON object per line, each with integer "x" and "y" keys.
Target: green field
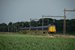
{"x": 35, "y": 42}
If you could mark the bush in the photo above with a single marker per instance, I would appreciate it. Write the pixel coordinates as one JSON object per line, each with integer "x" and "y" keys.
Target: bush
{"x": 23, "y": 31}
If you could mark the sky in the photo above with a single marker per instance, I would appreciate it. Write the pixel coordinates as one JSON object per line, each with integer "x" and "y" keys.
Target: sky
{"x": 23, "y": 10}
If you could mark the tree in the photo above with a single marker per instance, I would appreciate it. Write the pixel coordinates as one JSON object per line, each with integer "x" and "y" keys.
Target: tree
{"x": 3, "y": 27}
{"x": 46, "y": 21}
{"x": 72, "y": 25}
{"x": 26, "y": 24}
{"x": 10, "y": 27}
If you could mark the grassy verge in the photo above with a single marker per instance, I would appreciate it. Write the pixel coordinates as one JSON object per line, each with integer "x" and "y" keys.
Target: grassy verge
{"x": 31, "y": 42}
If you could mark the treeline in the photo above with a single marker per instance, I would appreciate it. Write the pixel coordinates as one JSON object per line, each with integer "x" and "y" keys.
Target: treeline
{"x": 15, "y": 27}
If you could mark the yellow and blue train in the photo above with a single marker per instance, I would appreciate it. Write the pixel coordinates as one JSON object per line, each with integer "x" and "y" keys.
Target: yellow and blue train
{"x": 50, "y": 28}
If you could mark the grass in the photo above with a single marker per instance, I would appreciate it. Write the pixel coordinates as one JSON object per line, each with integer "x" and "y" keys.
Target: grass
{"x": 35, "y": 42}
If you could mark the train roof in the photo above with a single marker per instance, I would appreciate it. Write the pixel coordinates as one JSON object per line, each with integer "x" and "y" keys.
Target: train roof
{"x": 34, "y": 28}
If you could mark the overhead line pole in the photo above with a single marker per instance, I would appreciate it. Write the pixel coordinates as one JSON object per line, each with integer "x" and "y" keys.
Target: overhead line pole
{"x": 30, "y": 24}
{"x": 42, "y": 23}
{"x": 64, "y": 25}
{"x": 65, "y": 10}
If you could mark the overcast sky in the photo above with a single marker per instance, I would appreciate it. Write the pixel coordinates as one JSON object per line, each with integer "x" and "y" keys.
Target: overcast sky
{"x": 23, "y": 10}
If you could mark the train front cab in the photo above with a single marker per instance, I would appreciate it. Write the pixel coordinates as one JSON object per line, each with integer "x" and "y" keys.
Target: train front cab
{"x": 51, "y": 29}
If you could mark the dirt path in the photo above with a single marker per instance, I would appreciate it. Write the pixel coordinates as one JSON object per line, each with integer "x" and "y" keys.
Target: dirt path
{"x": 64, "y": 36}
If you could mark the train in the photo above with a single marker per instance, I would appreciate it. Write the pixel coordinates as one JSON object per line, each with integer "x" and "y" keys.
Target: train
{"x": 51, "y": 28}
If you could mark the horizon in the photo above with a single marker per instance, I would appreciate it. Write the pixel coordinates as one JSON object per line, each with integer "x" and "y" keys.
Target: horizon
{"x": 37, "y": 20}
